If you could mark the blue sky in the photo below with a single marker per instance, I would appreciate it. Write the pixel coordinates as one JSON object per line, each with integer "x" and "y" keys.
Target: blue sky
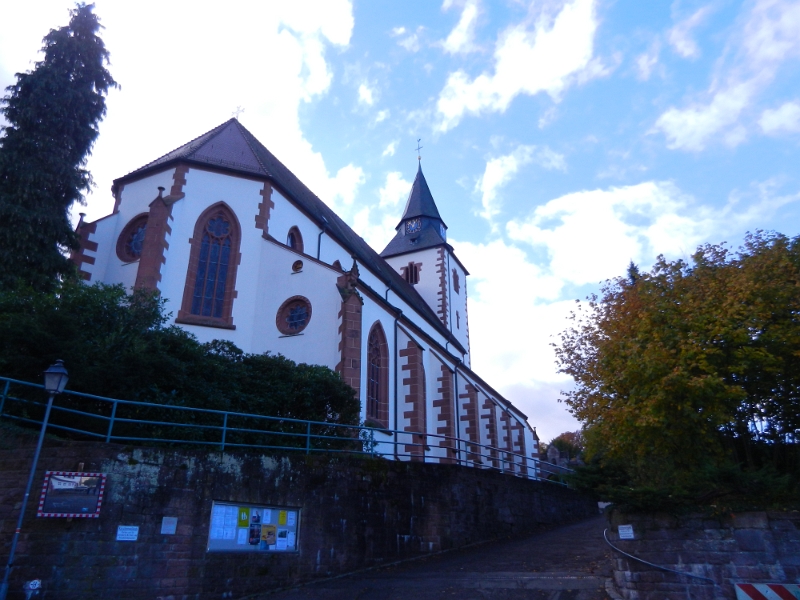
{"x": 561, "y": 139}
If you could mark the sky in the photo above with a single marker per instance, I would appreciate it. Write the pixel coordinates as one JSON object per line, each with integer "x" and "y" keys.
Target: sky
{"x": 561, "y": 139}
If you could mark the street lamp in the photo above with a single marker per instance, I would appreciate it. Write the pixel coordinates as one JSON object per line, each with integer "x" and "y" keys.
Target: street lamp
{"x": 55, "y": 380}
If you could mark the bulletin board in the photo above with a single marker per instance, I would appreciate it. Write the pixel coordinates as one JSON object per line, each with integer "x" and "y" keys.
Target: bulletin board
{"x": 252, "y": 528}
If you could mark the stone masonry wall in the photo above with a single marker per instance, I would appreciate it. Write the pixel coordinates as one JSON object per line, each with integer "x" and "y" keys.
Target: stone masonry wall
{"x": 354, "y": 513}
{"x": 755, "y": 547}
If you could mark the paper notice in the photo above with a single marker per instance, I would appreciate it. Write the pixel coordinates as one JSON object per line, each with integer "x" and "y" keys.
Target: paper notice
{"x": 243, "y": 517}
{"x": 291, "y": 519}
{"x": 282, "y": 517}
{"x": 268, "y": 534}
{"x": 216, "y": 533}
{"x": 291, "y": 540}
{"x": 241, "y": 537}
{"x": 281, "y": 542}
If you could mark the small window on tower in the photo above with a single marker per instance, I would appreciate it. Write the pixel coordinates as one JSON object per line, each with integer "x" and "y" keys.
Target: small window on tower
{"x": 456, "y": 286}
{"x": 458, "y": 320}
{"x": 411, "y": 272}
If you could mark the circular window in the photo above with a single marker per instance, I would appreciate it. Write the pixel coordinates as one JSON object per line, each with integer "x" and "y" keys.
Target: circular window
{"x": 131, "y": 240}
{"x": 293, "y": 315}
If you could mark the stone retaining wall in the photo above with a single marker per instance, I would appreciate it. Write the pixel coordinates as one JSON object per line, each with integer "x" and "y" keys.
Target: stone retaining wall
{"x": 354, "y": 513}
{"x": 754, "y": 547}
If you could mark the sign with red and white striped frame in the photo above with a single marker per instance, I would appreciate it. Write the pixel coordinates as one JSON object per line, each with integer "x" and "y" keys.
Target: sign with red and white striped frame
{"x": 767, "y": 591}
{"x": 71, "y": 494}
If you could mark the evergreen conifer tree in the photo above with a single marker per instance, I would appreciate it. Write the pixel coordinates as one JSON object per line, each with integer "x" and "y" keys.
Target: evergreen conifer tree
{"x": 52, "y": 114}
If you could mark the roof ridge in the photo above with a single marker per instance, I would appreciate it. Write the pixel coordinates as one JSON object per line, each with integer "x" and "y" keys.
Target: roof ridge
{"x": 246, "y": 134}
{"x": 211, "y": 131}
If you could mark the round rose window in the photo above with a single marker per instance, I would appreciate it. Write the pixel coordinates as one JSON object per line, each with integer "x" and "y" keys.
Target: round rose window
{"x": 131, "y": 240}
{"x": 293, "y": 315}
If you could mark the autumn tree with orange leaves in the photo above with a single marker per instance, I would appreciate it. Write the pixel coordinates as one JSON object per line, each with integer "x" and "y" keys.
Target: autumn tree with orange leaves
{"x": 691, "y": 373}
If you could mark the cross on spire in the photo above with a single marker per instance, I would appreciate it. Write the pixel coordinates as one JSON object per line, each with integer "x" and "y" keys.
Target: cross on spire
{"x": 419, "y": 156}
{"x": 235, "y": 114}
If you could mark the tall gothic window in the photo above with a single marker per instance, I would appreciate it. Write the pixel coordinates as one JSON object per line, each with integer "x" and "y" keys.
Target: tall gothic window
{"x": 377, "y": 376}
{"x": 211, "y": 277}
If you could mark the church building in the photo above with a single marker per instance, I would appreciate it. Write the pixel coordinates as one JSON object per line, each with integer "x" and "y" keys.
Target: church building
{"x": 242, "y": 250}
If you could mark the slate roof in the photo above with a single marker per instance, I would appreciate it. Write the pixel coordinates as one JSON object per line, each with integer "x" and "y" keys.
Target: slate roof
{"x": 420, "y": 204}
{"x": 428, "y": 237}
{"x": 420, "y": 200}
{"x": 231, "y": 147}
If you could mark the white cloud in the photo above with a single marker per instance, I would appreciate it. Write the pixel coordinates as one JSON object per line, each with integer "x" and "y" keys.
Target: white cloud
{"x": 394, "y": 191}
{"x": 547, "y": 117}
{"x": 409, "y": 41}
{"x": 647, "y": 61}
{"x": 462, "y": 39}
{"x": 592, "y": 235}
{"x": 390, "y": 149}
{"x": 376, "y": 234}
{"x": 365, "y": 95}
{"x": 382, "y": 115}
{"x": 691, "y": 128}
{"x": 520, "y": 366}
{"x": 768, "y": 36}
{"x": 784, "y": 118}
{"x": 346, "y": 183}
{"x": 679, "y": 37}
{"x": 301, "y": 34}
{"x": 547, "y": 58}
{"x": 500, "y": 171}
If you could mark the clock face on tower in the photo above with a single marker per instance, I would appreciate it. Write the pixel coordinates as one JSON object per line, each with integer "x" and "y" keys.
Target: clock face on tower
{"x": 413, "y": 225}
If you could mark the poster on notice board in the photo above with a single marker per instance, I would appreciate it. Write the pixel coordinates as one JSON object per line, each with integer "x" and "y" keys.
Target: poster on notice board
{"x": 252, "y": 528}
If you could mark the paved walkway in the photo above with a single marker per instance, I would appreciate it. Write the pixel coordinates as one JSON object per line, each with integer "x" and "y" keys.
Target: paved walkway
{"x": 568, "y": 563}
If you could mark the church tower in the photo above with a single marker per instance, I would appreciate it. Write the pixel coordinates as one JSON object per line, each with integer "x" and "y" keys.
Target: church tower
{"x": 420, "y": 253}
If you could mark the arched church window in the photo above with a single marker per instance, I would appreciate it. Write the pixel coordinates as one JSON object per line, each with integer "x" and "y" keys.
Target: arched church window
{"x": 294, "y": 240}
{"x": 211, "y": 275}
{"x": 293, "y": 315}
{"x": 377, "y": 376}
{"x": 411, "y": 272}
{"x": 131, "y": 240}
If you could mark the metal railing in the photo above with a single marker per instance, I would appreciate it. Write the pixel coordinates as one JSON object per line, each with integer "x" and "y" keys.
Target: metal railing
{"x": 89, "y": 417}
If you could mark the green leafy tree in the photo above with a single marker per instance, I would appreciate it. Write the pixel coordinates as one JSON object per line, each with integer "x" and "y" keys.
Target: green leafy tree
{"x": 119, "y": 345}
{"x": 571, "y": 442}
{"x": 52, "y": 113}
{"x": 689, "y": 375}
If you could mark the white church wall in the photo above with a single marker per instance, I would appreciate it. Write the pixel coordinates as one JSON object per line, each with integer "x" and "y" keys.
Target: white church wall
{"x": 433, "y": 370}
{"x": 458, "y": 306}
{"x": 135, "y": 200}
{"x": 331, "y": 251}
{"x": 428, "y": 286}
{"x": 285, "y": 215}
{"x": 137, "y": 195}
{"x": 318, "y": 343}
{"x": 203, "y": 189}
{"x": 105, "y": 236}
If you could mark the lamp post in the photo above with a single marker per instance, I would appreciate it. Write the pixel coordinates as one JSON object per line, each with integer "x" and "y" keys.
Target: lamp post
{"x": 55, "y": 380}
